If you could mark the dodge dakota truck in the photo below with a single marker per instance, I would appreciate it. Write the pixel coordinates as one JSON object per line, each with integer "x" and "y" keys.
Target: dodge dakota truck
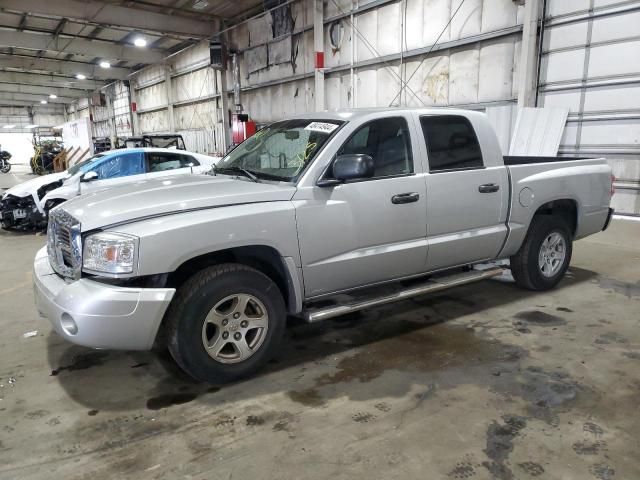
{"x": 315, "y": 216}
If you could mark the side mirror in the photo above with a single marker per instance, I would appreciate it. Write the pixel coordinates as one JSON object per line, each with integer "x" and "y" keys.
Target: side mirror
{"x": 352, "y": 167}
{"x": 89, "y": 177}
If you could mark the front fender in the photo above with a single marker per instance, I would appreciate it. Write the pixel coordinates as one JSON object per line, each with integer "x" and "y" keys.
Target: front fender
{"x": 169, "y": 241}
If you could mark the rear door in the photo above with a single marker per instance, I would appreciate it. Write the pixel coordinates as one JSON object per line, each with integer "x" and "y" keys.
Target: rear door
{"x": 467, "y": 197}
{"x": 162, "y": 164}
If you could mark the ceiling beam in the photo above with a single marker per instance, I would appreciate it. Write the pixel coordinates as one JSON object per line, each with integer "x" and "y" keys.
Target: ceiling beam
{"x": 47, "y": 80}
{"x": 77, "y": 46}
{"x": 118, "y": 15}
{"x": 32, "y": 98}
{"x": 44, "y": 92}
{"x": 63, "y": 67}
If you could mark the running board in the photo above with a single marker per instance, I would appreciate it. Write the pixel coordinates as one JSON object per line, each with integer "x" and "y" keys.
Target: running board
{"x": 313, "y": 315}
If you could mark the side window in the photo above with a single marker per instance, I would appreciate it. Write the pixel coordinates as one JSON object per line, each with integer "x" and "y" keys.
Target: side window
{"x": 120, "y": 166}
{"x": 162, "y": 161}
{"x": 188, "y": 161}
{"x": 451, "y": 143}
{"x": 387, "y": 141}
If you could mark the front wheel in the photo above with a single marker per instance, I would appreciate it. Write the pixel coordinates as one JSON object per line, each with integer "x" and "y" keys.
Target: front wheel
{"x": 6, "y": 167}
{"x": 545, "y": 254}
{"x": 225, "y": 323}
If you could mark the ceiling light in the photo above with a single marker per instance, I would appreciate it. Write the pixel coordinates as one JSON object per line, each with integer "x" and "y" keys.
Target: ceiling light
{"x": 140, "y": 42}
{"x": 53, "y": 95}
{"x": 8, "y": 126}
{"x": 30, "y": 126}
{"x": 81, "y": 76}
{"x": 43, "y": 102}
{"x": 104, "y": 64}
{"x": 200, "y": 4}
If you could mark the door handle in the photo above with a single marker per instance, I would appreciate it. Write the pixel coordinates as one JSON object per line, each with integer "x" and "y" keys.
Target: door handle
{"x": 405, "y": 198}
{"x": 488, "y": 188}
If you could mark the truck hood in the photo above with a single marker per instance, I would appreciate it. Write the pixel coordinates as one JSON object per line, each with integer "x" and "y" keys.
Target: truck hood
{"x": 30, "y": 187}
{"x": 152, "y": 198}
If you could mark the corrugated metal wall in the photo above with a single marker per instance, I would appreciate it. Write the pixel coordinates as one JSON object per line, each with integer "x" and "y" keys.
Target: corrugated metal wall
{"x": 591, "y": 65}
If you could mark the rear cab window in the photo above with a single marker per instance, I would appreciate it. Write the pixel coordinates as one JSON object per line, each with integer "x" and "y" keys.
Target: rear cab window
{"x": 452, "y": 143}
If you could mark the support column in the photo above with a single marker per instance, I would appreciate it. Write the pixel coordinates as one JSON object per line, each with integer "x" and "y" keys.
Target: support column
{"x": 224, "y": 100}
{"x": 318, "y": 46}
{"x": 169, "y": 88}
{"x": 112, "y": 118}
{"x": 527, "y": 82}
{"x": 133, "y": 109}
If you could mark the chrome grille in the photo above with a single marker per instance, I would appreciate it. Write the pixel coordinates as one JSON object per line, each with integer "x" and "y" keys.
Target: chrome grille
{"x": 64, "y": 244}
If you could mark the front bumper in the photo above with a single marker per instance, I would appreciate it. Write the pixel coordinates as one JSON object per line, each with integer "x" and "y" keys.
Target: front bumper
{"x": 98, "y": 315}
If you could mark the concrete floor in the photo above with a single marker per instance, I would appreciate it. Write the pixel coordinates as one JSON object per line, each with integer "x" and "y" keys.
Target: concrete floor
{"x": 482, "y": 382}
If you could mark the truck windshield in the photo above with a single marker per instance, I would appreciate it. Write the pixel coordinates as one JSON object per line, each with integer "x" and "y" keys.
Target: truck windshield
{"x": 282, "y": 150}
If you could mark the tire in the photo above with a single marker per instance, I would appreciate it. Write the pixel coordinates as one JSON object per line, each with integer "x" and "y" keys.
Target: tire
{"x": 215, "y": 294}
{"x": 525, "y": 265}
{"x": 6, "y": 167}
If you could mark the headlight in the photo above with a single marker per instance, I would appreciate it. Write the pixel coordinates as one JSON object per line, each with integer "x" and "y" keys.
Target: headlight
{"x": 108, "y": 252}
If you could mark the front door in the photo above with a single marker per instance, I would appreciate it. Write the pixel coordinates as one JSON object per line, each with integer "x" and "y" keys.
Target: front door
{"x": 371, "y": 230}
{"x": 116, "y": 169}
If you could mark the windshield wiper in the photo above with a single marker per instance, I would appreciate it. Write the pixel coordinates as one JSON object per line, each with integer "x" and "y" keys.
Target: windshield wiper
{"x": 236, "y": 170}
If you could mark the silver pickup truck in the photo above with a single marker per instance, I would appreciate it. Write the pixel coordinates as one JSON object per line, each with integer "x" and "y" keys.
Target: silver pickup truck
{"x": 348, "y": 202}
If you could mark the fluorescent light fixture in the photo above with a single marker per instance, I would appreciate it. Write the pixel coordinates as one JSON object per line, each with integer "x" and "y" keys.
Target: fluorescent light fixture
{"x": 80, "y": 76}
{"x": 30, "y": 126}
{"x": 44, "y": 102}
{"x": 53, "y": 95}
{"x": 140, "y": 42}
{"x": 200, "y": 4}
{"x": 104, "y": 64}
{"x": 8, "y": 126}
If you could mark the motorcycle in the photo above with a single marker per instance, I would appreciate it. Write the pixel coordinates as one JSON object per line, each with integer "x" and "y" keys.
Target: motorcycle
{"x": 5, "y": 166}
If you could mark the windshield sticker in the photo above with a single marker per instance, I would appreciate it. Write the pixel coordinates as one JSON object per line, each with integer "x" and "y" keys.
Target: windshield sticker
{"x": 321, "y": 127}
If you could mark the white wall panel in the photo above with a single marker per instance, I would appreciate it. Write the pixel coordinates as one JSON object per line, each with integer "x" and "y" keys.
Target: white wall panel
{"x": 567, "y": 65}
{"x": 153, "y": 96}
{"x": 625, "y": 97}
{"x": 468, "y": 20}
{"x": 615, "y": 59}
{"x": 496, "y": 70}
{"x": 154, "y": 122}
{"x": 616, "y": 27}
{"x": 463, "y": 77}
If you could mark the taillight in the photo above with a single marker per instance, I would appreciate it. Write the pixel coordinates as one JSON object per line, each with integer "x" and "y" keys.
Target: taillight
{"x": 613, "y": 188}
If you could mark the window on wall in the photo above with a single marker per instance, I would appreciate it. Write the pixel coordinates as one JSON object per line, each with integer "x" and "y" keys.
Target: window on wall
{"x": 387, "y": 141}
{"x": 160, "y": 161}
{"x": 451, "y": 143}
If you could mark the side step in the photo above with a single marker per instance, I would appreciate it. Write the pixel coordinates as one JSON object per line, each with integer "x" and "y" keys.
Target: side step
{"x": 318, "y": 314}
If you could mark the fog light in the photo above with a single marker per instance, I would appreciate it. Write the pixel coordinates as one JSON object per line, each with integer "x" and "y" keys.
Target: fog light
{"x": 68, "y": 324}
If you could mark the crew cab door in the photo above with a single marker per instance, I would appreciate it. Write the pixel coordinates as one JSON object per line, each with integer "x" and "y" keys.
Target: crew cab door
{"x": 467, "y": 194}
{"x": 115, "y": 170}
{"x": 162, "y": 164}
{"x": 368, "y": 230}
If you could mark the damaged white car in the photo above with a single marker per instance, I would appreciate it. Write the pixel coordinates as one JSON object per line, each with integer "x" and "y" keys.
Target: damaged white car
{"x": 26, "y": 206}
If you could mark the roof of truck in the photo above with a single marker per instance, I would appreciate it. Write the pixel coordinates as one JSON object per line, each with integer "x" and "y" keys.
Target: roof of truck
{"x": 356, "y": 113}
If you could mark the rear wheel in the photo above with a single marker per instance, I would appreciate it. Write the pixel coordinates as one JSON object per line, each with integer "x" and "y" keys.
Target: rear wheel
{"x": 225, "y": 323}
{"x": 545, "y": 254}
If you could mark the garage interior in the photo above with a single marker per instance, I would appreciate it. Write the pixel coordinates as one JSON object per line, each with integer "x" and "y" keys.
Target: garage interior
{"x": 483, "y": 381}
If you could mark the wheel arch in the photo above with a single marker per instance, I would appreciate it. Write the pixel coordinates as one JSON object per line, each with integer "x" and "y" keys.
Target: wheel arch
{"x": 264, "y": 258}
{"x": 565, "y": 208}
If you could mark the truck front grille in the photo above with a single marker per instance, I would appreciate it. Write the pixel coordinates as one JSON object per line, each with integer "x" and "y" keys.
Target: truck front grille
{"x": 64, "y": 244}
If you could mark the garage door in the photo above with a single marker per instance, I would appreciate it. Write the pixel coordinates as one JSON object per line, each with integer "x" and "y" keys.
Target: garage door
{"x": 591, "y": 64}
